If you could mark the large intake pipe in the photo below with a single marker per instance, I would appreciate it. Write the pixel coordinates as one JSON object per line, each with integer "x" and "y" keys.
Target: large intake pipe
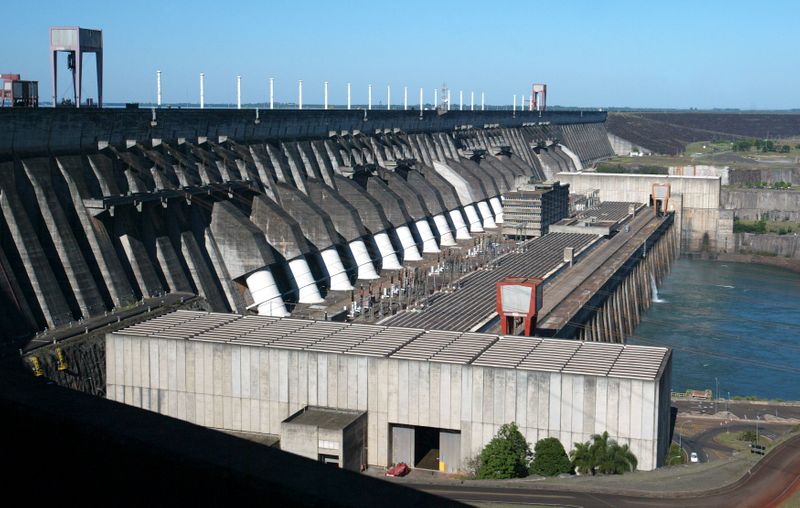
{"x": 473, "y": 219}
{"x": 308, "y": 290}
{"x": 388, "y": 255}
{"x": 497, "y": 208}
{"x": 336, "y": 271}
{"x": 488, "y": 218}
{"x": 428, "y": 240}
{"x": 445, "y": 235}
{"x": 410, "y": 251}
{"x": 266, "y": 295}
{"x": 462, "y": 233}
{"x": 365, "y": 268}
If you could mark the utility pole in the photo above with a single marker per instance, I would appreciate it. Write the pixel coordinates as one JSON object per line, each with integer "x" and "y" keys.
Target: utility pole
{"x": 202, "y": 90}
{"x": 271, "y": 92}
{"x": 300, "y": 94}
{"x": 325, "y": 85}
{"x": 158, "y": 88}
{"x": 369, "y": 96}
{"x": 716, "y": 394}
{"x": 405, "y": 98}
{"x": 238, "y": 92}
{"x": 348, "y": 95}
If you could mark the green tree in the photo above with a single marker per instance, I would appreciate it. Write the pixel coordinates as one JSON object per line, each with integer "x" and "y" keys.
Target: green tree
{"x": 617, "y": 459}
{"x": 550, "y": 458}
{"x": 582, "y": 459}
{"x": 507, "y": 455}
{"x": 747, "y": 435}
{"x": 603, "y": 455}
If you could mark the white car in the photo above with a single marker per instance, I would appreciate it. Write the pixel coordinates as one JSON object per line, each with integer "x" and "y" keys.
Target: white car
{"x": 693, "y": 457}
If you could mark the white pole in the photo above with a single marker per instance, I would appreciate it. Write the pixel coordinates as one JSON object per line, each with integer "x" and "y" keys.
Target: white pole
{"x": 271, "y": 93}
{"x": 202, "y": 90}
{"x": 388, "y": 97}
{"x": 158, "y": 88}
{"x": 421, "y": 103}
{"x": 300, "y": 94}
{"x": 435, "y": 98}
{"x": 514, "y": 109}
{"x": 326, "y": 95}
{"x": 482, "y": 102}
{"x": 369, "y": 97}
{"x": 348, "y": 95}
{"x": 461, "y": 100}
{"x": 405, "y": 98}
{"x": 448, "y": 100}
{"x": 472, "y": 101}
{"x": 238, "y": 92}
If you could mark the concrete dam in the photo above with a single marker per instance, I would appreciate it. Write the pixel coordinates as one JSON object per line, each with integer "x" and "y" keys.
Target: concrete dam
{"x": 271, "y": 212}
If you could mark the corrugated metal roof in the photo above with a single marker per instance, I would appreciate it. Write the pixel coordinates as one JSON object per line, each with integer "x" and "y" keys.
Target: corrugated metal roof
{"x": 465, "y": 348}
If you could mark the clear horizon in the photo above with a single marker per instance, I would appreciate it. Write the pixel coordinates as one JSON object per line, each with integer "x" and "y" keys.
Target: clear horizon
{"x": 621, "y": 54}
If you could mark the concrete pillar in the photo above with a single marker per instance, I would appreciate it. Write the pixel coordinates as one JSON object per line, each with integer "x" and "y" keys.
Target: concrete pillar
{"x": 497, "y": 208}
{"x": 405, "y": 98}
{"x": 482, "y": 101}
{"x": 448, "y": 100}
{"x": 514, "y": 108}
{"x": 461, "y": 100}
{"x": 472, "y": 101}
{"x": 388, "y": 97}
{"x": 325, "y": 86}
{"x": 348, "y": 95}
{"x": 202, "y": 90}
{"x": 435, "y": 98}
{"x": 421, "y": 104}
{"x": 369, "y": 96}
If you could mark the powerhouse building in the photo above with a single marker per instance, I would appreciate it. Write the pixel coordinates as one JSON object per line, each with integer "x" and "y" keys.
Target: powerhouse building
{"x": 429, "y": 398}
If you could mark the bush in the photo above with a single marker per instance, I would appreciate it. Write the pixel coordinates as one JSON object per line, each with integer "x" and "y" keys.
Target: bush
{"x": 747, "y": 435}
{"x": 550, "y": 458}
{"x": 507, "y": 455}
{"x": 675, "y": 455}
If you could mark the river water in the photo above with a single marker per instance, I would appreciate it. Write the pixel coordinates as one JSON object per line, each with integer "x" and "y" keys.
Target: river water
{"x": 737, "y": 322}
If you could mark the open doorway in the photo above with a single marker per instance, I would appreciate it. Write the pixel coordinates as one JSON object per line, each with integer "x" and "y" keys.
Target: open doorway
{"x": 426, "y": 448}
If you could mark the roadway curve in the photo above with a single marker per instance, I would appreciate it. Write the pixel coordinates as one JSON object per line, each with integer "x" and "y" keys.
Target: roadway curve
{"x": 769, "y": 483}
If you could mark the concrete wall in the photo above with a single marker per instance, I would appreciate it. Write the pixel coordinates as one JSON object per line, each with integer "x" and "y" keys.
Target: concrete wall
{"x": 787, "y": 246}
{"x": 623, "y": 146}
{"x": 695, "y": 199}
{"x": 753, "y": 204}
{"x": 254, "y": 389}
{"x": 64, "y": 130}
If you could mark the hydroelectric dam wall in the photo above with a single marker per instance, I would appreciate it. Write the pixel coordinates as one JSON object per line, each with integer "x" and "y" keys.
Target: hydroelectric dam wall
{"x": 267, "y": 211}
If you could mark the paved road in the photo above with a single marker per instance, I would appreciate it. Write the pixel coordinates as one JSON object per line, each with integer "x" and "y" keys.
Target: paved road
{"x": 742, "y": 409}
{"x": 703, "y": 443}
{"x": 767, "y": 484}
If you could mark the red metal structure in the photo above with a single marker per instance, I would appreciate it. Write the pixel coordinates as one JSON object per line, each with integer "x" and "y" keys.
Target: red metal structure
{"x": 20, "y": 94}
{"x": 518, "y": 301}
{"x": 76, "y": 41}
{"x": 538, "y": 97}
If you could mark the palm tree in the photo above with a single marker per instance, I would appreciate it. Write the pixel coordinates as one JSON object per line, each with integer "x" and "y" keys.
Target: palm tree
{"x": 582, "y": 458}
{"x": 599, "y": 447}
{"x": 617, "y": 459}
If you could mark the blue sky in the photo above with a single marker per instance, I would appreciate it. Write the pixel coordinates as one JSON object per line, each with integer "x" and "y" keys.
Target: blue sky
{"x": 680, "y": 54}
